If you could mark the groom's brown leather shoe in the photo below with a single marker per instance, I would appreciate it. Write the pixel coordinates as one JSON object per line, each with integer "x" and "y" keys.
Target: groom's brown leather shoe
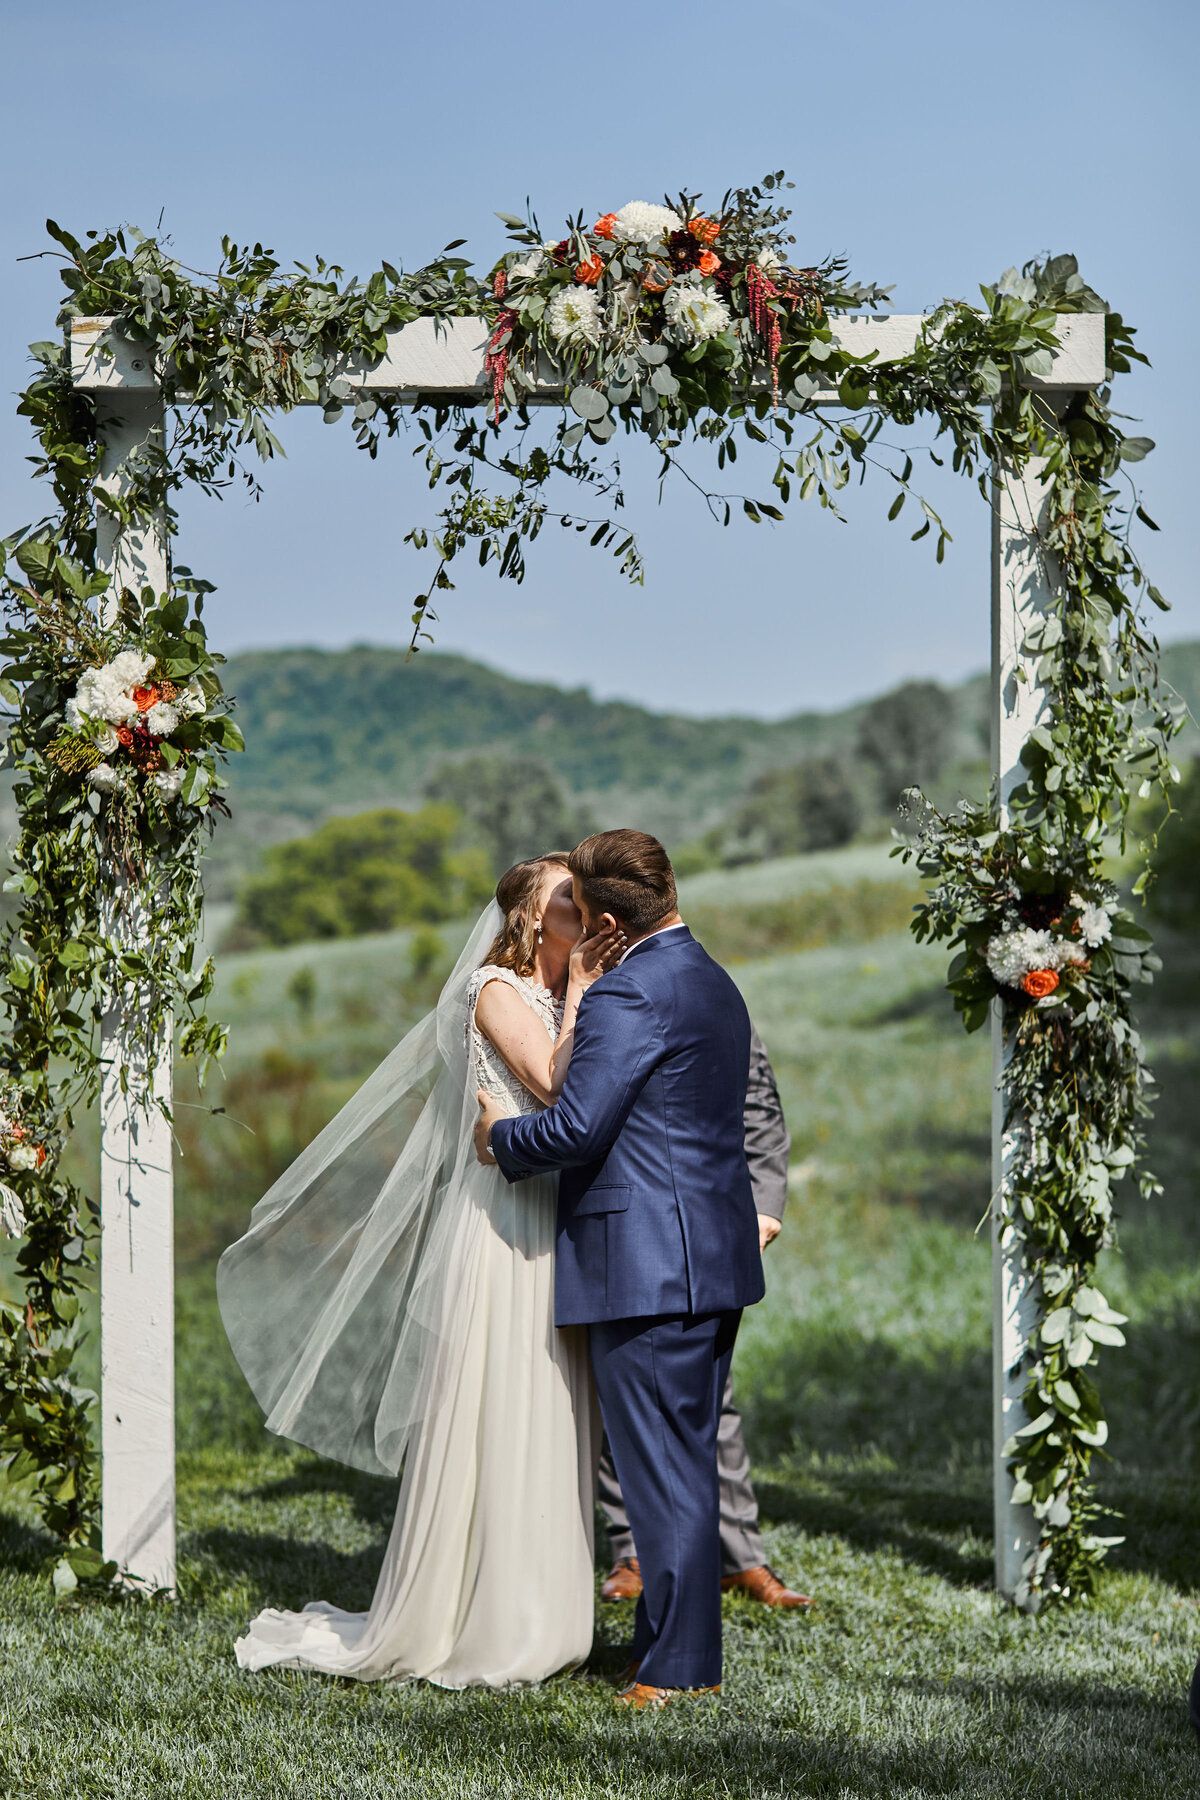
{"x": 641, "y": 1698}
{"x": 764, "y": 1585}
{"x": 624, "y": 1580}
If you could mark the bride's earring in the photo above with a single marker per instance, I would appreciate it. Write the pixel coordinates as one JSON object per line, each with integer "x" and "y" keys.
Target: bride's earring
{"x": 539, "y": 937}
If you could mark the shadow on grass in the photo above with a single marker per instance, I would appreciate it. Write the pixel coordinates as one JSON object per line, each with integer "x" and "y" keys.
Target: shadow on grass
{"x": 887, "y": 1445}
{"x": 23, "y": 1548}
{"x": 288, "y": 1571}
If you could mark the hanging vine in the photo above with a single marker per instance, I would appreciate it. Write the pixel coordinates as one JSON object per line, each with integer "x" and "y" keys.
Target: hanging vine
{"x": 683, "y": 327}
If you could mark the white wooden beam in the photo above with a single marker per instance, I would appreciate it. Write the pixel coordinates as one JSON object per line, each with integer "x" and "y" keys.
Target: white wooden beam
{"x": 434, "y": 358}
{"x": 137, "y": 1256}
{"x": 1022, "y": 587}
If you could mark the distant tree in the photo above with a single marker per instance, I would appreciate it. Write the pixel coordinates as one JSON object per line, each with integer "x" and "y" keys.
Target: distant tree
{"x": 1174, "y": 894}
{"x": 907, "y": 737}
{"x": 368, "y": 872}
{"x": 302, "y": 991}
{"x": 810, "y": 807}
{"x": 512, "y": 805}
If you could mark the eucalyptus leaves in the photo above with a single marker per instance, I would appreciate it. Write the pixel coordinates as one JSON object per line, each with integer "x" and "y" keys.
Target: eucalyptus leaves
{"x": 676, "y": 324}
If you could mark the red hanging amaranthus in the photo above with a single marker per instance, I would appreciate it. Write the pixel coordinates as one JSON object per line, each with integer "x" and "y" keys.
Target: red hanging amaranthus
{"x": 496, "y": 360}
{"x": 760, "y": 291}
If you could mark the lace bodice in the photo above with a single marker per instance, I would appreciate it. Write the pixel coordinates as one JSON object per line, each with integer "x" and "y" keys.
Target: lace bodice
{"x": 489, "y": 1070}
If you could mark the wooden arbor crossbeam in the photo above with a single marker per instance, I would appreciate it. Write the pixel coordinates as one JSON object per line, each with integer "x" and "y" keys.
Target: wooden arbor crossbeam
{"x": 443, "y": 360}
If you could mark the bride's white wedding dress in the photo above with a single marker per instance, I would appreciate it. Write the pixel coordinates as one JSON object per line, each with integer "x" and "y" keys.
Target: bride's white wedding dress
{"x": 488, "y": 1574}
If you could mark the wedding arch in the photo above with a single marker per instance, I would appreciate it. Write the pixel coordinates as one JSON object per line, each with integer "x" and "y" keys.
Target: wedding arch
{"x": 689, "y": 328}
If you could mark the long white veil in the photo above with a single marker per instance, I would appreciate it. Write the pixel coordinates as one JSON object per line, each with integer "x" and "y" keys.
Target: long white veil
{"x": 333, "y": 1299}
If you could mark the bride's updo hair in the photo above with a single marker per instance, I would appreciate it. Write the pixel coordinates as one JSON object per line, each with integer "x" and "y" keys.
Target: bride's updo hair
{"x": 515, "y": 946}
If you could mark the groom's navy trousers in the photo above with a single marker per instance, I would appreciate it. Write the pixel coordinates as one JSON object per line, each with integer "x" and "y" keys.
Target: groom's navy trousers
{"x": 657, "y": 1253}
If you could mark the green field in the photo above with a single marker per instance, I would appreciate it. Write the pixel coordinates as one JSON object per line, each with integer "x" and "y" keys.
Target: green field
{"x": 865, "y": 1378}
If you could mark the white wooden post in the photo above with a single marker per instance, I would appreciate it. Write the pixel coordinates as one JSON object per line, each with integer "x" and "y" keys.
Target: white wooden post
{"x": 137, "y": 1255}
{"x": 1022, "y": 577}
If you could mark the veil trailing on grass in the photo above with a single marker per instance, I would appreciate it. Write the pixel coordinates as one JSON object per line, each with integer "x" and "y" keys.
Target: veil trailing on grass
{"x": 336, "y": 1298}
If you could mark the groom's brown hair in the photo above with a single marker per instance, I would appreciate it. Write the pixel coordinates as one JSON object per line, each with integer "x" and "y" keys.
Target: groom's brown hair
{"x": 628, "y": 874}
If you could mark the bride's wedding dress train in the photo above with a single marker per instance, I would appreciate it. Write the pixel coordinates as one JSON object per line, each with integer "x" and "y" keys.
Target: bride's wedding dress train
{"x": 488, "y": 1574}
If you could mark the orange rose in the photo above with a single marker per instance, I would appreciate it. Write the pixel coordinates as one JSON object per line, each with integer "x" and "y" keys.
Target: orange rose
{"x": 657, "y": 278}
{"x": 1040, "y": 982}
{"x": 709, "y": 263}
{"x": 41, "y": 1153}
{"x": 705, "y": 231}
{"x": 145, "y": 697}
{"x": 124, "y": 735}
{"x": 604, "y": 227}
{"x": 589, "y": 273}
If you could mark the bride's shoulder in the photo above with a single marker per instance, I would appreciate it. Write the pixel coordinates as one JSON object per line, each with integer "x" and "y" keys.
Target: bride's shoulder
{"x": 492, "y": 972}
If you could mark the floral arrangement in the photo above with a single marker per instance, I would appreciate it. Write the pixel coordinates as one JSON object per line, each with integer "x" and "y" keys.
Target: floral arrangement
{"x": 120, "y": 712}
{"x": 652, "y": 305}
{"x": 20, "y": 1154}
{"x": 1043, "y": 945}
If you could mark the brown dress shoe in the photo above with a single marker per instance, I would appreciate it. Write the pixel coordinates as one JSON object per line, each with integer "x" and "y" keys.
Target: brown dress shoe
{"x": 640, "y": 1698}
{"x": 624, "y": 1580}
{"x": 764, "y": 1585}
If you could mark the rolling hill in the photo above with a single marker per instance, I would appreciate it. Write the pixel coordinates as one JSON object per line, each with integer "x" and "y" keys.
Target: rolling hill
{"x": 341, "y": 731}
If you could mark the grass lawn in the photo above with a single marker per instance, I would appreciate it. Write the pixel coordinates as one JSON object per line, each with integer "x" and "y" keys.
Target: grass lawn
{"x": 865, "y": 1379}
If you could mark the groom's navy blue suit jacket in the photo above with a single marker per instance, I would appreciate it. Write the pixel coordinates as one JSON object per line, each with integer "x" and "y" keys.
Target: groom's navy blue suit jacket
{"x": 655, "y": 1210}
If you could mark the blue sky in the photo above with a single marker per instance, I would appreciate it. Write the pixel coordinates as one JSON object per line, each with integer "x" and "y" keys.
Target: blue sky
{"x": 935, "y": 143}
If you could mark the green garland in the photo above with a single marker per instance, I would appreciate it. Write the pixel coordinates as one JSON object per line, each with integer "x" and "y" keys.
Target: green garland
{"x": 679, "y": 326}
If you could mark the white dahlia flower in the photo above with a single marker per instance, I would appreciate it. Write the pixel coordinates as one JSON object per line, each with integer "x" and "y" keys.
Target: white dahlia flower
{"x": 103, "y": 778}
{"x": 573, "y": 316}
{"x": 1095, "y": 926}
{"x": 641, "y": 223}
{"x": 162, "y": 719}
{"x": 99, "y": 696}
{"x": 129, "y": 668}
{"x": 23, "y": 1156}
{"x": 169, "y": 781}
{"x": 696, "y": 311}
{"x": 1013, "y": 954}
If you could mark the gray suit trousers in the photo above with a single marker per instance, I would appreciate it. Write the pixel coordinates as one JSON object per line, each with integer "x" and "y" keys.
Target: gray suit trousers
{"x": 741, "y": 1545}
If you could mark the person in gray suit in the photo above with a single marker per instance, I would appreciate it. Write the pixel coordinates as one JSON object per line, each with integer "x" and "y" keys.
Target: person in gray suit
{"x": 743, "y": 1558}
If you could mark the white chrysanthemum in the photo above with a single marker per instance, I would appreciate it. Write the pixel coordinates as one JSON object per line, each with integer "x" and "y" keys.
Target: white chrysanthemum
{"x": 696, "y": 311}
{"x": 23, "y": 1157}
{"x": 103, "y": 778}
{"x": 573, "y": 316}
{"x": 100, "y": 695}
{"x": 129, "y": 668}
{"x": 162, "y": 719}
{"x": 1013, "y": 954}
{"x": 1095, "y": 926}
{"x": 641, "y": 223}
{"x": 12, "y": 1213}
{"x": 169, "y": 781}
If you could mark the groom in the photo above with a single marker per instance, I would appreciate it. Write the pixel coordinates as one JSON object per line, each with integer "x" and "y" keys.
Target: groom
{"x": 657, "y": 1234}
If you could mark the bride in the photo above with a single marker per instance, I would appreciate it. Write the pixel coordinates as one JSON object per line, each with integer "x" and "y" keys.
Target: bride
{"x": 392, "y": 1305}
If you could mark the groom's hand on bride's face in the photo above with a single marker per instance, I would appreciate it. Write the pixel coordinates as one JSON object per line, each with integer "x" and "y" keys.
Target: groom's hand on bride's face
{"x": 489, "y": 1112}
